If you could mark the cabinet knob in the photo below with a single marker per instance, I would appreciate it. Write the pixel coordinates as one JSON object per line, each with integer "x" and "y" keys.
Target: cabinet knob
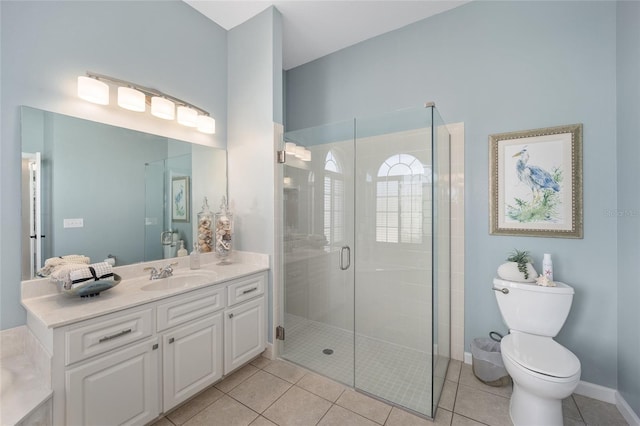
{"x": 171, "y": 340}
{"x": 231, "y": 315}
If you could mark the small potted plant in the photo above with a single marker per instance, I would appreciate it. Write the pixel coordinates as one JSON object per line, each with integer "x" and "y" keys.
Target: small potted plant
{"x": 518, "y": 268}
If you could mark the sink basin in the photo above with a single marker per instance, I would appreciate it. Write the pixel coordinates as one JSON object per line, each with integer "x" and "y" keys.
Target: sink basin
{"x": 181, "y": 279}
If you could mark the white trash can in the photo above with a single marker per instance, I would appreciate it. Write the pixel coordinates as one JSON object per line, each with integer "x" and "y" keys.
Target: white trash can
{"x": 487, "y": 362}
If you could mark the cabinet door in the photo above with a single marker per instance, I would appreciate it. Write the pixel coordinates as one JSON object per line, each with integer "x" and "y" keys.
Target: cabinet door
{"x": 120, "y": 388}
{"x": 192, "y": 359}
{"x": 244, "y": 333}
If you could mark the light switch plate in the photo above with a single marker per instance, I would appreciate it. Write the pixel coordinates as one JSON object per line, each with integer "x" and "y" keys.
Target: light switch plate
{"x": 73, "y": 223}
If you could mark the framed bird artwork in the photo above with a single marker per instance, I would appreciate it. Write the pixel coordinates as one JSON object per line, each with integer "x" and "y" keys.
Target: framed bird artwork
{"x": 535, "y": 182}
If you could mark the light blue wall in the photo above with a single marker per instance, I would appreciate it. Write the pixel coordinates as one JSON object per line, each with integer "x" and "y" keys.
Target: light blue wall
{"x": 500, "y": 67}
{"x": 629, "y": 202}
{"x": 46, "y": 45}
{"x": 255, "y": 66}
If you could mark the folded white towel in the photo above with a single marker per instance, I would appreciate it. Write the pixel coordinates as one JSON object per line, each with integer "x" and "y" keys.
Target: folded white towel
{"x": 61, "y": 272}
{"x": 54, "y": 263}
{"x": 93, "y": 272}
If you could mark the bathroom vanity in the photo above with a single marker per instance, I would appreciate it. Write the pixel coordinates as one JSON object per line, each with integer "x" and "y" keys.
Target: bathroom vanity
{"x": 145, "y": 346}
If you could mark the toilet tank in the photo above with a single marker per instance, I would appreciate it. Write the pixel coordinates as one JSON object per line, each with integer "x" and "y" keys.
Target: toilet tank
{"x": 531, "y": 308}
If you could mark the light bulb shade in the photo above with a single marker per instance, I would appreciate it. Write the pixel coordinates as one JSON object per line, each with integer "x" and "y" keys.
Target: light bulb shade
{"x": 163, "y": 108}
{"x": 131, "y": 99}
{"x": 206, "y": 124}
{"x": 187, "y": 116}
{"x": 290, "y": 148}
{"x": 93, "y": 90}
{"x": 299, "y": 151}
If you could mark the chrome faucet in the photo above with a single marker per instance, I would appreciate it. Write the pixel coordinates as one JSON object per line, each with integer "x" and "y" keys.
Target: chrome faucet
{"x": 163, "y": 272}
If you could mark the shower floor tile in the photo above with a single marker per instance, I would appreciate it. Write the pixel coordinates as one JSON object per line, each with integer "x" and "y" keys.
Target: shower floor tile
{"x": 395, "y": 373}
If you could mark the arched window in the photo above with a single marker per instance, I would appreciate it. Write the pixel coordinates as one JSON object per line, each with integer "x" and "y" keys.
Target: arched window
{"x": 333, "y": 199}
{"x": 401, "y": 199}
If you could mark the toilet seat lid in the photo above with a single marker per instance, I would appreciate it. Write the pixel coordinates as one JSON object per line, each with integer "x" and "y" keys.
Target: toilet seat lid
{"x": 540, "y": 354}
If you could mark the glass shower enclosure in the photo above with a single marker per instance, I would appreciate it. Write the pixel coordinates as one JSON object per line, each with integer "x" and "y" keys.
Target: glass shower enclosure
{"x": 366, "y": 255}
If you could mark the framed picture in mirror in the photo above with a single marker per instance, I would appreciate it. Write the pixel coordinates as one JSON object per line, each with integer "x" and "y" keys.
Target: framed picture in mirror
{"x": 180, "y": 199}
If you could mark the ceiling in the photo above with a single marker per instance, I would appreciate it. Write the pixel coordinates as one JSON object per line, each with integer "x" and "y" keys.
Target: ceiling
{"x": 315, "y": 28}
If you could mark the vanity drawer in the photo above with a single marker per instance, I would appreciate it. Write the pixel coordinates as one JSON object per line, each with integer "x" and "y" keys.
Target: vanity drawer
{"x": 99, "y": 335}
{"x": 185, "y": 307}
{"x": 245, "y": 289}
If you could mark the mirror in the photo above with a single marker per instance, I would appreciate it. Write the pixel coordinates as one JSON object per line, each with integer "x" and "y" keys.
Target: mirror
{"x": 103, "y": 191}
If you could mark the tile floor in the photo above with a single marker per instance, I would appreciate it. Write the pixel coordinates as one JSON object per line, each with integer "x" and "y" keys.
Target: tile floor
{"x": 279, "y": 393}
{"x": 393, "y": 372}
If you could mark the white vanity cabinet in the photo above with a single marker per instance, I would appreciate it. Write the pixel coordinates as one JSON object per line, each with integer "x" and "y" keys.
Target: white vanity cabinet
{"x": 131, "y": 365}
{"x": 110, "y": 369}
{"x": 244, "y": 322}
{"x": 192, "y": 350}
{"x": 120, "y": 388}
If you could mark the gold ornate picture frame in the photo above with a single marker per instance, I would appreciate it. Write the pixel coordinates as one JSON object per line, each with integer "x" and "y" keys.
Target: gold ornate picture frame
{"x": 535, "y": 182}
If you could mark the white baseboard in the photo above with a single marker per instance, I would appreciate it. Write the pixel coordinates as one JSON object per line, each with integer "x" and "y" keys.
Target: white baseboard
{"x": 601, "y": 393}
{"x": 627, "y": 412}
{"x": 268, "y": 351}
{"x": 612, "y": 396}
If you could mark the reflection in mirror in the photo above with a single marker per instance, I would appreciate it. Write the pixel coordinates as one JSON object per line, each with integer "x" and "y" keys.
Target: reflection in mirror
{"x": 103, "y": 191}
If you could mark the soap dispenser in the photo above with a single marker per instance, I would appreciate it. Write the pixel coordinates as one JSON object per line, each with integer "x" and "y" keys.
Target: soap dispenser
{"x": 194, "y": 257}
{"x": 182, "y": 251}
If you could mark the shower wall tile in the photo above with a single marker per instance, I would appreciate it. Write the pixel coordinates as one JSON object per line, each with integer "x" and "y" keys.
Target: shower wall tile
{"x": 457, "y": 343}
{"x": 457, "y": 298}
{"x": 457, "y": 240}
{"x": 382, "y": 295}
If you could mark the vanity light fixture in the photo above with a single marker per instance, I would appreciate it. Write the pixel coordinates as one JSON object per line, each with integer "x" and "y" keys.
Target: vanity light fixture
{"x": 297, "y": 151}
{"x": 187, "y": 116}
{"x": 290, "y": 148}
{"x": 206, "y": 124}
{"x": 95, "y": 88}
{"x": 163, "y": 108}
{"x": 131, "y": 99}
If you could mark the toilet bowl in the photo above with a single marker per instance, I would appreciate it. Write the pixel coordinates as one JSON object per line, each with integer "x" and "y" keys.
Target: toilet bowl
{"x": 543, "y": 371}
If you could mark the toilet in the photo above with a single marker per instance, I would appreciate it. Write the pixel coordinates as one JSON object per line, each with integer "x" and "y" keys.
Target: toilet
{"x": 543, "y": 371}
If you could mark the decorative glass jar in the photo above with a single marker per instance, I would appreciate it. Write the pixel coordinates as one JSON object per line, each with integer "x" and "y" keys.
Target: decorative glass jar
{"x": 224, "y": 230}
{"x": 205, "y": 232}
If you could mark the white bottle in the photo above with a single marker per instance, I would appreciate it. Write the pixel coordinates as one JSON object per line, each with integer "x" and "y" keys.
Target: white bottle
{"x": 547, "y": 266}
{"x": 182, "y": 251}
{"x": 194, "y": 258}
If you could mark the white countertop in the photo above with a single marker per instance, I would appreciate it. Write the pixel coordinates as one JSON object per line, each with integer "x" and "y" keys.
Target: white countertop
{"x": 41, "y": 298}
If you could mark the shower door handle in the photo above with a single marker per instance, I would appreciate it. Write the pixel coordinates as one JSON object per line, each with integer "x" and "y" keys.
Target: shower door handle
{"x": 342, "y": 251}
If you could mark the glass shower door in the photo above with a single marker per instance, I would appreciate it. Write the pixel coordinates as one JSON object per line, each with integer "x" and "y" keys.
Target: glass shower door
{"x": 319, "y": 250}
{"x": 366, "y": 255}
{"x": 393, "y": 290}
{"x": 441, "y": 189}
